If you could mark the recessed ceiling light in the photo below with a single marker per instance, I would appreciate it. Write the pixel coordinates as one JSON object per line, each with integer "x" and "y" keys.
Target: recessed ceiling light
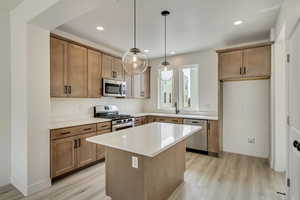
{"x": 146, "y": 50}
{"x": 239, "y": 22}
{"x": 100, "y": 28}
{"x": 172, "y": 52}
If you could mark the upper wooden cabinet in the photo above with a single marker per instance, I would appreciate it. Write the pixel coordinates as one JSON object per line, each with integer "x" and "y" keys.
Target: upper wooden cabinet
{"x": 77, "y": 71}
{"x": 141, "y": 84}
{"x": 257, "y": 61}
{"x": 94, "y": 74}
{"x": 68, "y": 69}
{"x": 58, "y": 69}
{"x": 112, "y": 68}
{"x": 129, "y": 86}
{"x": 249, "y": 62}
{"x": 231, "y": 64}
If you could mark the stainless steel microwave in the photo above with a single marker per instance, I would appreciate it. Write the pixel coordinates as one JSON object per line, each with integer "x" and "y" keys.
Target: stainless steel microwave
{"x": 114, "y": 88}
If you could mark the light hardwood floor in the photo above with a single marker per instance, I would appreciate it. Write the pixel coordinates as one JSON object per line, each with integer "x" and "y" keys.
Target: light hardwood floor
{"x": 231, "y": 177}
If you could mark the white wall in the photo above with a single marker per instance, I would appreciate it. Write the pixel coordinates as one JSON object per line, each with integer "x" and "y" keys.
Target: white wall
{"x": 5, "y": 99}
{"x": 246, "y": 113}
{"x": 208, "y": 67}
{"x": 63, "y": 109}
{"x": 38, "y": 106}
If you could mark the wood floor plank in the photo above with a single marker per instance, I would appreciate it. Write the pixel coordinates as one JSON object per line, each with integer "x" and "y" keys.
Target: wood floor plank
{"x": 230, "y": 177}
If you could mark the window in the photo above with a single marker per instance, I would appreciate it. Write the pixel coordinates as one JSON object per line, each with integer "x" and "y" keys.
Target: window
{"x": 181, "y": 85}
{"x": 166, "y": 94}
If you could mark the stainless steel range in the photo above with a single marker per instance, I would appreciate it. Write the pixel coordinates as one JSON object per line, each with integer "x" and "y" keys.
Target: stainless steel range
{"x": 119, "y": 121}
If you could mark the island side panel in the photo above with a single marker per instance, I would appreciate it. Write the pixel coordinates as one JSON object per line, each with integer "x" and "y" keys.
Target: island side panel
{"x": 156, "y": 178}
{"x": 123, "y": 182}
{"x": 165, "y": 172}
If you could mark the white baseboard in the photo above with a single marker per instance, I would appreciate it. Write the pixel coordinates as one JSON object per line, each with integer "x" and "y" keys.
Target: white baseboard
{"x": 19, "y": 186}
{"x": 36, "y": 187}
{"x": 31, "y": 189}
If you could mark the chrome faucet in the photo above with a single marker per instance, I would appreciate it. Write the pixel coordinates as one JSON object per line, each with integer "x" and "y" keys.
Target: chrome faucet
{"x": 176, "y": 108}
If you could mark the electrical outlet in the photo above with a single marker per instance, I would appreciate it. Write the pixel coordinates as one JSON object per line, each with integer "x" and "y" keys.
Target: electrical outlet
{"x": 251, "y": 140}
{"x": 135, "y": 162}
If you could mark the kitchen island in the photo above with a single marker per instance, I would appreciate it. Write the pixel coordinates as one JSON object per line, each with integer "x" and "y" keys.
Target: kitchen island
{"x": 145, "y": 162}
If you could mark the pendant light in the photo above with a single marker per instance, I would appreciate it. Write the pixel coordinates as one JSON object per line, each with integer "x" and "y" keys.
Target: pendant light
{"x": 165, "y": 75}
{"x": 134, "y": 61}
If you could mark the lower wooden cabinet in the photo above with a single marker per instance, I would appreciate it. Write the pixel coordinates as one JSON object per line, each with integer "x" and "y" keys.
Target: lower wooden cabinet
{"x": 70, "y": 150}
{"x": 86, "y": 151}
{"x": 213, "y": 139}
{"x": 63, "y": 156}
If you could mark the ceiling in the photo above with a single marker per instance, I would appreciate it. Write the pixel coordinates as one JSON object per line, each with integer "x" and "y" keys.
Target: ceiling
{"x": 8, "y": 5}
{"x": 193, "y": 24}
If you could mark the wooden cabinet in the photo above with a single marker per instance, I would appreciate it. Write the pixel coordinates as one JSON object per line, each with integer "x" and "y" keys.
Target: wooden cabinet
{"x": 140, "y": 121}
{"x": 231, "y": 64}
{"x": 86, "y": 151}
{"x": 213, "y": 137}
{"x": 107, "y": 62}
{"x": 63, "y": 156}
{"x": 129, "y": 86}
{"x": 58, "y": 69}
{"x": 257, "y": 61}
{"x": 70, "y": 150}
{"x": 141, "y": 84}
{"x": 68, "y": 69}
{"x": 77, "y": 71}
{"x": 94, "y": 74}
{"x": 117, "y": 69}
{"x": 112, "y": 68}
{"x": 245, "y": 63}
{"x": 174, "y": 120}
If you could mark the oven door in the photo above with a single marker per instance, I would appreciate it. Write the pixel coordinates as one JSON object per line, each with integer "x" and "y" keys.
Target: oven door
{"x": 112, "y": 88}
{"x": 119, "y": 127}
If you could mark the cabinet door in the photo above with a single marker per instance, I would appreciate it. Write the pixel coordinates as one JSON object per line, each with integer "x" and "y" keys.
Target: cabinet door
{"x": 58, "y": 67}
{"x": 94, "y": 74}
{"x": 128, "y": 80}
{"x": 63, "y": 157}
{"x": 146, "y": 84}
{"x": 257, "y": 61}
{"x": 213, "y": 137}
{"x": 137, "y": 86}
{"x": 77, "y": 70}
{"x": 107, "y": 62}
{"x": 117, "y": 69}
{"x": 100, "y": 148}
{"x": 230, "y": 65}
{"x": 86, "y": 151}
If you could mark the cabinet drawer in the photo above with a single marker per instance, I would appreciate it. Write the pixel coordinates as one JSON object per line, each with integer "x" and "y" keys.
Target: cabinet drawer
{"x": 99, "y": 132}
{"x": 103, "y": 126}
{"x": 169, "y": 120}
{"x": 72, "y": 131}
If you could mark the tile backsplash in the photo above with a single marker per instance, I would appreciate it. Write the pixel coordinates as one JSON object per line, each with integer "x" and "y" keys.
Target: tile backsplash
{"x": 63, "y": 109}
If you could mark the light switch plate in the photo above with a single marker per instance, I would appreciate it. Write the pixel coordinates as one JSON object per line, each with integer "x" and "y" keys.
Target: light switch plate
{"x": 135, "y": 162}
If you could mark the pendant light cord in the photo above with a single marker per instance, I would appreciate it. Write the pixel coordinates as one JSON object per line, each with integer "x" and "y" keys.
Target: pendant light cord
{"x": 165, "y": 38}
{"x": 134, "y": 24}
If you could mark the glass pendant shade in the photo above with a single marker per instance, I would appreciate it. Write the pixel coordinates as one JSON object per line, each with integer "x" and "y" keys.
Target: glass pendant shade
{"x": 134, "y": 61}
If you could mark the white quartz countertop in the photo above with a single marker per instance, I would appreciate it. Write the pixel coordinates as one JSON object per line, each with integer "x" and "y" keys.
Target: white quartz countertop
{"x": 188, "y": 116}
{"x": 147, "y": 140}
{"x": 76, "y": 122}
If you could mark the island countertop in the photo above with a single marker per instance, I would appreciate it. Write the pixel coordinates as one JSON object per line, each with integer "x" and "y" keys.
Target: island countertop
{"x": 147, "y": 140}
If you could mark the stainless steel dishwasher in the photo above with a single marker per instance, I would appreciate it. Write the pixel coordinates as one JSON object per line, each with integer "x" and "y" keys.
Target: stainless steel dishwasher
{"x": 198, "y": 141}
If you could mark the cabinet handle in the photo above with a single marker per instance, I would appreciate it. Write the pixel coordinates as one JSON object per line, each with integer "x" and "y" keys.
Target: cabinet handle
{"x": 240, "y": 70}
{"x": 69, "y": 89}
{"x": 65, "y": 133}
{"x": 245, "y": 71}
{"x": 87, "y": 129}
{"x": 65, "y": 89}
{"x": 79, "y": 142}
{"x": 75, "y": 144}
